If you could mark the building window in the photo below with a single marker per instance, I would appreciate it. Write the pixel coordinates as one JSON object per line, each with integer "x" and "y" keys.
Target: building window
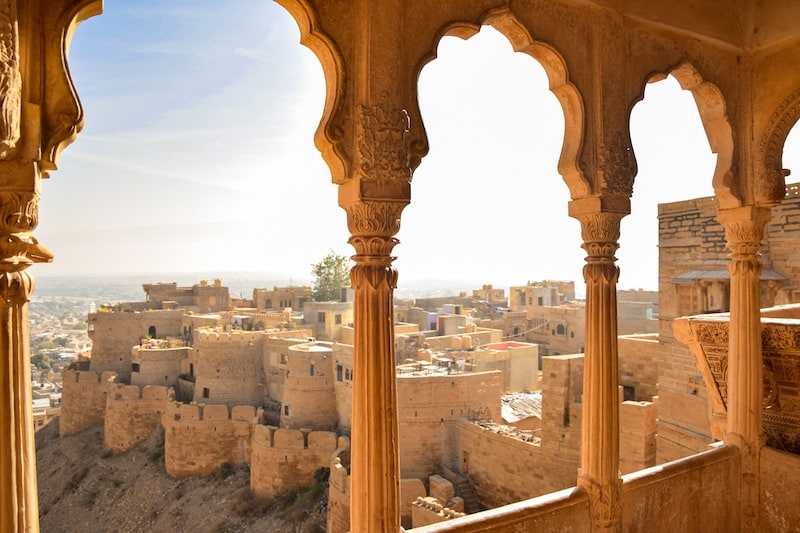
{"x": 337, "y": 319}
{"x": 286, "y": 409}
{"x": 530, "y": 300}
{"x": 284, "y": 358}
{"x": 206, "y": 392}
{"x": 540, "y": 300}
{"x": 628, "y": 393}
{"x": 338, "y": 372}
{"x": 321, "y": 317}
{"x": 561, "y": 329}
{"x": 268, "y": 304}
{"x": 312, "y": 369}
{"x": 135, "y": 367}
{"x": 151, "y": 332}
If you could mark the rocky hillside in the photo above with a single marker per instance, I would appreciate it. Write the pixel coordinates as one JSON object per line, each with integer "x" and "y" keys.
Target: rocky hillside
{"x": 83, "y": 487}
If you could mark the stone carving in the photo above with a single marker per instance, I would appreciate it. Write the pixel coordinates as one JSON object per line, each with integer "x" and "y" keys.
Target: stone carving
{"x": 18, "y": 252}
{"x": 19, "y": 212}
{"x": 781, "y": 375}
{"x": 617, "y": 166}
{"x": 605, "y": 502}
{"x": 10, "y": 80}
{"x": 771, "y": 186}
{"x": 383, "y": 141}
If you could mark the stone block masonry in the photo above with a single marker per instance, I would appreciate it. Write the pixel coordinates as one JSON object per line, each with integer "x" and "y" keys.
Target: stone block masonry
{"x": 284, "y": 459}
{"x": 133, "y": 413}
{"x": 83, "y": 402}
{"x": 199, "y": 438}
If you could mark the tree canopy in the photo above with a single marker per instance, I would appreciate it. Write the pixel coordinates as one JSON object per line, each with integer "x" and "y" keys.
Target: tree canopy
{"x": 331, "y": 274}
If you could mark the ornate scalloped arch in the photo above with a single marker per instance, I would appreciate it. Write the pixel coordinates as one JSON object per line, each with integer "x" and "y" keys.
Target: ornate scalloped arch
{"x": 770, "y": 186}
{"x": 62, "y": 116}
{"x": 504, "y": 21}
{"x": 713, "y": 115}
{"x": 327, "y": 137}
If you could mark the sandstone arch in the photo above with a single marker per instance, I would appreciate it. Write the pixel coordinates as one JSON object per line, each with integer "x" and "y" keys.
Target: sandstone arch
{"x": 504, "y": 21}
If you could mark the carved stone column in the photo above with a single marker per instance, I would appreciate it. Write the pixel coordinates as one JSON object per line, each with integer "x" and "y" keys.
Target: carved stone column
{"x": 18, "y": 249}
{"x": 744, "y": 231}
{"x": 599, "y": 473}
{"x": 375, "y": 469}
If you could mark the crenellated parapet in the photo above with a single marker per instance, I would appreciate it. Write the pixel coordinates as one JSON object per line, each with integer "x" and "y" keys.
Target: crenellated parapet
{"x": 199, "y": 438}
{"x": 83, "y": 402}
{"x": 283, "y": 459}
{"x": 218, "y": 335}
{"x": 133, "y": 413}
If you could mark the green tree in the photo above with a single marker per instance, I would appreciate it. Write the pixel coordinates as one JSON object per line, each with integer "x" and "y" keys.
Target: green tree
{"x": 330, "y": 275}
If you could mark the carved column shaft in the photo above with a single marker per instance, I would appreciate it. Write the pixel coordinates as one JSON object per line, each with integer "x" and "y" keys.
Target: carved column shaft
{"x": 599, "y": 472}
{"x": 20, "y": 511}
{"x": 744, "y": 230}
{"x": 375, "y": 469}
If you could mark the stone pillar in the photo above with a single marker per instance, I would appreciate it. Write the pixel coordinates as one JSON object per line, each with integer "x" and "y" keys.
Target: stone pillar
{"x": 20, "y": 510}
{"x": 599, "y": 472}
{"x": 18, "y": 250}
{"x": 373, "y": 218}
{"x": 744, "y": 231}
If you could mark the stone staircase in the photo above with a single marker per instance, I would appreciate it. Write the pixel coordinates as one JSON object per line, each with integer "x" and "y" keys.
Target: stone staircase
{"x": 464, "y": 491}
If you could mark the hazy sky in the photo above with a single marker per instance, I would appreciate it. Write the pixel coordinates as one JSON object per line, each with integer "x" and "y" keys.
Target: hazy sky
{"x": 198, "y": 157}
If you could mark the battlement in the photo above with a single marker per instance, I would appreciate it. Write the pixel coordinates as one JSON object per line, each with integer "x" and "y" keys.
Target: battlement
{"x": 182, "y": 412}
{"x": 153, "y": 393}
{"x": 89, "y": 376}
{"x": 217, "y": 335}
{"x": 296, "y": 439}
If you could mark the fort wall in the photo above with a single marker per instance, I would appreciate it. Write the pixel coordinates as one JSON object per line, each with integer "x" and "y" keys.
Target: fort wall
{"x": 229, "y": 367}
{"x": 283, "y": 459}
{"x": 83, "y": 400}
{"x": 199, "y": 438}
{"x": 338, "y": 518}
{"x": 132, "y": 414}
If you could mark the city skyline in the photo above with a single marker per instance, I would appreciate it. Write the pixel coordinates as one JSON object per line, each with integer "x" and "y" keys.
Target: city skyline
{"x": 198, "y": 156}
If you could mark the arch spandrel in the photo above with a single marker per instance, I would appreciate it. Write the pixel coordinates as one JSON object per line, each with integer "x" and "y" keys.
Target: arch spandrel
{"x": 330, "y": 134}
{"x": 61, "y": 110}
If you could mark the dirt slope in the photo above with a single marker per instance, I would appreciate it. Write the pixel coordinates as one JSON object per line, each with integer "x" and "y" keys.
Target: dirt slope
{"x": 82, "y": 487}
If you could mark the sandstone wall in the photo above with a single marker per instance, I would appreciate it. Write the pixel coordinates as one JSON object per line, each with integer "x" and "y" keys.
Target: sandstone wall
{"x": 83, "y": 400}
{"x": 275, "y": 358}
{"x": 283, "y": 459}
{"x": 198, "y": 439}
{"x": 113, "y": 334}
{"x": 309, "y": 396}
{"x": 637, "y": 436}
{"x": 158, "y": 366}
{"x": 338, "y": 519}
{"x": 779, "y": 509}
{"x": 229, "y": 367}
{"x": 639, "y": 358}
{"x": 132, "y": 414}
{"x": 505, "y": 469}
{"x": 427, "y": 403}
